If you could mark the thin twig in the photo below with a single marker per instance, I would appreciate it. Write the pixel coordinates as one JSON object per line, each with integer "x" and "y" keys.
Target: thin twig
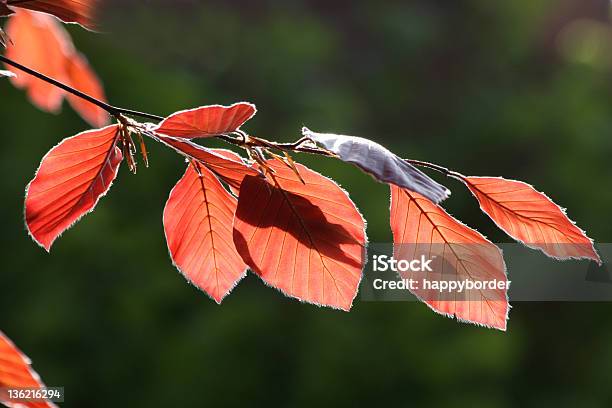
{"x": 112, "y": 110}
{"x": 438, "y": 168}
{"x": 247, "y": 142}
{"x": 281, "y": 147}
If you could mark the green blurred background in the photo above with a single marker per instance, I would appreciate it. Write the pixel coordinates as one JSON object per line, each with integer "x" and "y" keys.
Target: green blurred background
{"x": 521, "y": 89}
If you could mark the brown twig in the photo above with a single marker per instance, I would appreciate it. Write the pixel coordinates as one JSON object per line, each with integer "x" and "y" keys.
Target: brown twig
{"x": 112, "y": 110}
{"x": 245, "y": 141}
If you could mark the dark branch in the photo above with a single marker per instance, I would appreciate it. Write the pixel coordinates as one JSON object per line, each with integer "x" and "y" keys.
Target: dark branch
{"x": 112, "y": 110}
{"x": 438, "y": 168}
{"x": 284, "y": 147}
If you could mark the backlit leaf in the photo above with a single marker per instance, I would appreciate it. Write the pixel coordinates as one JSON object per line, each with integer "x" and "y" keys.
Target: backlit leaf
{"x": 69, "y": 11}
{"x": 416, "y": 222}
{"x": 16, "y": 372}
{"x": 307, "y": 240}
{"x": 227, "y": 167}
{"x": 234, "y": 186}
{"x": 71, "y": 179}
{"x": 198, "y": 220}
{"x": 228, "y": 154}
{"x": 41, "y": 43}
{"x": 206, "y": 121}
{"x": 380, "y": 163}
{"x": 82, "y": 77}
{"x": 530, "y": 217}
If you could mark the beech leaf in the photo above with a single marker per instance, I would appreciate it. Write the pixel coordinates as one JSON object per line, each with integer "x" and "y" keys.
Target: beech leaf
{"x": 16, "y": 372}
{"x": 71, "y": 179}
{"x": 305, "y": 239}
{"x": 40, "y": 42}
{"x": 530, "y": 217}
{"x": 198, "y": 220}
{"x": 69, "y": 11}
{"x": 228, "y": 167}
{"x": 206, "y": 121}
{"x": 380, "y": 163}
{"x": 416, "y": 221}
{"x": 84, "y": 79}
{"x": 234, "y": 187}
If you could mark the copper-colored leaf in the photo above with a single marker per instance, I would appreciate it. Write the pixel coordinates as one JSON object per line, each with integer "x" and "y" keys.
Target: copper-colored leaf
{"x": 41, "y": 43}
{"x": 207, "y": 121}
{"x": 198, "y": 221}
{"x": 530, "y": 217}
{"x": 416, "y": 221}
{"x": 16, "y": 372}
{"x": 71, "y": 179}
{"x": 308, "y": 240}
{"x": 234, "y": 187}
{"x": 83, "y": 78}
{"x": 228, "y": 154}
{"x": 69, "y": 11}
{"x": 230, "y": 169}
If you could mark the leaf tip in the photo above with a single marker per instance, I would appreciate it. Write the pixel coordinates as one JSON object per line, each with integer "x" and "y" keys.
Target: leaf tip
{"x": 346, "y": 308}
{"x": 596, "y": 258}
{"x": 44, "y": 244}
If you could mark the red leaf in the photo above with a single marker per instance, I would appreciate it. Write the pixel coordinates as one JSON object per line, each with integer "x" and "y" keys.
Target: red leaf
{"x": 230, "y": 169}
{"x": 228, "y": 154}
{"x": 69, "y": 182}
{"x": 207, "y": 121}
{"x": 198, "y": 221}
{"x": 416, "y": 220}
{"x": 41, "y": 43}
{"x": 531, "y": 218}
{"x": 69, "y": 11}
{"x": 85, "y": 80}
{"x": 306, "y": 240}
{"x": 16, "y": 372}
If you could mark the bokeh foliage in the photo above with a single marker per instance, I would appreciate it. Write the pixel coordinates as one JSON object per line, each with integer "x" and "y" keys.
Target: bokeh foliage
{"x": 520, "y": 89}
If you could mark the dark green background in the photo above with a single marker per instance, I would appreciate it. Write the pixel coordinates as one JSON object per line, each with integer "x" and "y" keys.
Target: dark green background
{"x": 520, "y": 89}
